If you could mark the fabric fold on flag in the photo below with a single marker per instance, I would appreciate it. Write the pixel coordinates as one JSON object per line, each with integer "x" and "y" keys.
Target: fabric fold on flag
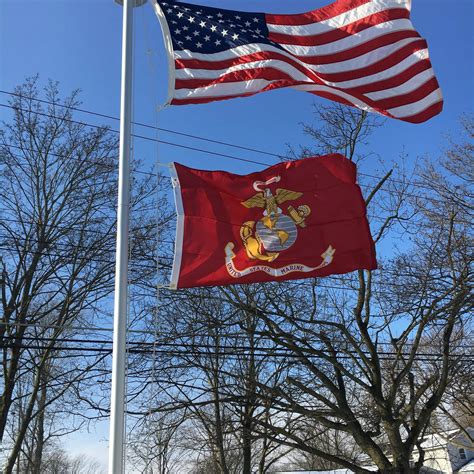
{"x": 362, "y": 53}
{"x": 298, "y": 219}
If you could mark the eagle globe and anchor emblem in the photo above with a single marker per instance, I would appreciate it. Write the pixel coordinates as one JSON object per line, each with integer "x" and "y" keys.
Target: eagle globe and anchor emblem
{"x": 273, "y": 233}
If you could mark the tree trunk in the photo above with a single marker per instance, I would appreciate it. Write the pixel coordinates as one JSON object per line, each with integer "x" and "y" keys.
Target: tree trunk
{"x": 38, "y": 449}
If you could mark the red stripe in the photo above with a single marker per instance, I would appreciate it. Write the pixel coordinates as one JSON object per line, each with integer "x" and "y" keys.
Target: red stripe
{"x": 205, "y": 100}
{"x": 420, "y": 117}
{"x": 363, "y": 48}
{"x": 268, "y": 73}
{"x": 227, "y": 63}
{"x": 248, "y": 74}
{"x": 378, "y": 66}
{"x": 264, "y": 55}
{"x": 394, "y": 81}
{"x": 337, "y": 34}
{"x": 316, "y": 60}
{"x": 413, "y": 96}
{"x": 417, "y": 118}
{"x": 334, "y": 97}
{"x": 381, "y": 65}
{"x": 329, "y": 11}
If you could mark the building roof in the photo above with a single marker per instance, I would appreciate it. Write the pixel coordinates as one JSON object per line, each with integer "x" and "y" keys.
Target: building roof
{"x": 467, "y": 468}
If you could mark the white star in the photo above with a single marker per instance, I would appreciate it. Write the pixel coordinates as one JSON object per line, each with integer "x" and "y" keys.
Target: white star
{"x": 209, "y": 16}
{"x": 198, "y": 45}
{"x": 220, "y": 15}
{"x": 207, "y": 38}
{"x": 196, "y": 33}
{"x": 180, "y": 42}
{"x": 221, "y": 21}
{"x": 235, "y": 36}
{"x": 232, "y": 25}
{"x": 218, "y": 42}
{"x": 247, "y": 24}
{"x": 199, "y": 12}
{"x": 258, "y": 31}
{"x": 202, "y": 24}
{"x": 237, "y": 17}
{"x": 188, "y": 38}
{"x": 185, "y": 28}
{"x": 180, "y": 14}
{"x": 224, "y": 32}
{"x": 178, "y": 31}
{"x": 243, "y": 30}
{"x": 213, "y": 28}
{"x": 191, "y": 19}
{"x": 255, "y": 20}
{"x": 170, "y": 10}
{"x": 174, "y": 22}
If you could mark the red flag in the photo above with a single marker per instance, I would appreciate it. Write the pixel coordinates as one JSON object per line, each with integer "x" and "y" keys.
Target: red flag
{"x": 296, "y": 219}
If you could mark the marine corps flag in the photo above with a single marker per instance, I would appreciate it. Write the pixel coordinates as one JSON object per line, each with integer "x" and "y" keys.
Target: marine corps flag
{"x": 297, "y": 219}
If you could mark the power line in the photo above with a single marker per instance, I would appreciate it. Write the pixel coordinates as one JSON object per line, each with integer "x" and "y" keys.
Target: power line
{"x": 420, "y": 185}
{"x": 210, "y": 350}
{"x": 96, "y": 259}
{"x": 71, "y": 245}
{"x": 212, "y": 346}
{"x": 165, "y": 258}
{"x": 148, "y": 173}
{"x": 151, "y": 127}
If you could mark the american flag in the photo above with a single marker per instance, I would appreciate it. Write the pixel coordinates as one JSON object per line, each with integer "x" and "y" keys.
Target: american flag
{"x": 363, "y": 53}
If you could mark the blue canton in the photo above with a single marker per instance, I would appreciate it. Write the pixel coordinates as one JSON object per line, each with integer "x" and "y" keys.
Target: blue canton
{"x": 211, "y": 30}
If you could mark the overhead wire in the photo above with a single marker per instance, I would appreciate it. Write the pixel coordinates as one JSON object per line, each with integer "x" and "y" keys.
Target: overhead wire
{"x": 420, "y": 185}
{"x": 191, "y": 349}
{"x": 211, "y": 346}
{"x": 180, "y": 145}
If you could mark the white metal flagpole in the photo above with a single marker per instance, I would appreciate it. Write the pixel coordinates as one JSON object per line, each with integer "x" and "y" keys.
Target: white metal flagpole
{"x": 117, "y": 406}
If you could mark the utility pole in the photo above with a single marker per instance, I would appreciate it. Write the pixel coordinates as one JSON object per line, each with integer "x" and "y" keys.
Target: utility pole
{"x": 117, "y": 403}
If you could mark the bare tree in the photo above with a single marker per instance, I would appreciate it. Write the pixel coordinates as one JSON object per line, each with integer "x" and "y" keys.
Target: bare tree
{"x": 57, "y": 234}
{"x": 359, "y": 365}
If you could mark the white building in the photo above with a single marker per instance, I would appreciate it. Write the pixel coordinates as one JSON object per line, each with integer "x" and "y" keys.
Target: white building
{"x": 451, "y": 452}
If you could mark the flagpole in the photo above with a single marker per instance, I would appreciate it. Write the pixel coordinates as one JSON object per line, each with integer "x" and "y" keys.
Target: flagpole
{"x": 117, "y": 399}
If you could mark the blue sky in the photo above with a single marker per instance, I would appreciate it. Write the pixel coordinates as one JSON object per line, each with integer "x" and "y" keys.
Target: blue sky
{"x": 78, "y": 43}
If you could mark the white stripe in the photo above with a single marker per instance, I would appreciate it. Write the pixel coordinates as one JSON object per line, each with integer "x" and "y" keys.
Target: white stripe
{"x": 350, "y": 64}
{"x": 414, "y": 58}
{"x": 409, "y": 86}
{"x": 254, "y": 86}
{"x": 398, "y": 112}
{"x": 417, "y": 107}
{"x": 331, "y": 48}
{"x": 244, "y": 87}
{"x": 364, "y": 60}
{"x": 178, "y": 244}
{"x": 339, "y": 21}
{"x": 224, "y": 89}
{"x": 228, "y": 53}
{"x": 352, "y": 41}
{"x": 354, "y": 100}
{"x": 210, "y": 74}
{"x": 169, "y": 49}
{"x": 295, "y": 73}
